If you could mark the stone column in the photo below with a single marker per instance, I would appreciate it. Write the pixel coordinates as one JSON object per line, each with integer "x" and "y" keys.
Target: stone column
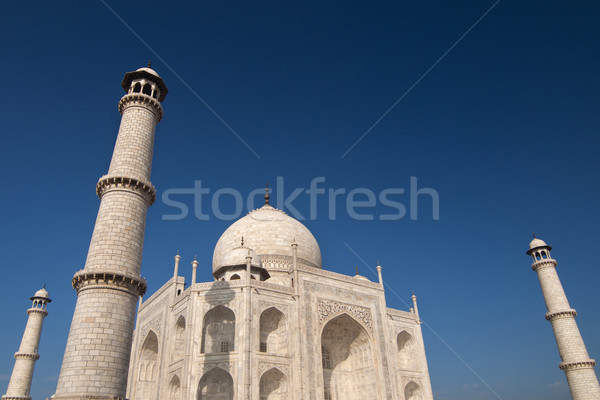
{"x": 576, "y": 363}
{"x": 22, "y": 375}
{"x": 96, "y": 359}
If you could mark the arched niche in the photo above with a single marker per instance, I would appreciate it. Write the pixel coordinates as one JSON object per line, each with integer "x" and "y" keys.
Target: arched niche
{"x": 218, "y": 331}
{"x": 273, "y": 332}
{"x": 274, "y": 385}
{"x": 413, "y": 391}
{"x": 174, "y": 388}
{"x": 407, "y": 351}
{"x": 215, "y": 384}
{"x": 179, "y": 339}
{"x": 148, "y": 358}
{"x": 348, "y": 361}
{"x": 147, "y": 368}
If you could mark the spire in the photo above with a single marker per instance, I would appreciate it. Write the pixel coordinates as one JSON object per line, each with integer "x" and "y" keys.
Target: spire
{"x": 267, "y": 197}
{"x": 356, "y": 269}
{"x": 534, "y": 235}
{"x": 149, "y": 63}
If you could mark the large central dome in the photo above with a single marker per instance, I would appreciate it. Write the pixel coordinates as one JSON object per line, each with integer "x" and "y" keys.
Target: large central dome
{"x": 270, "y": 233}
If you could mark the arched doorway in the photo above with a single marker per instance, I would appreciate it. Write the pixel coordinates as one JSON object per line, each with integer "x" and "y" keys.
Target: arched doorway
{"x": 216, "y": 384}
{"x": 273, "y": 332}
{"x": 412, "y": 391}
{"x": 348, "y": 361}
{"x": 407, "y": 352}
{"x": 148, "y": 367}
{"x": 274, "y": 385}
{"x": 218, "y": 331}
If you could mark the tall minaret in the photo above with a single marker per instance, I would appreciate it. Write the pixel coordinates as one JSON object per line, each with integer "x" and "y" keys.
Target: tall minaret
{"x": 96, "y": 358}
{"x": 25, "y": 358}
{"x": 576, "y": 362}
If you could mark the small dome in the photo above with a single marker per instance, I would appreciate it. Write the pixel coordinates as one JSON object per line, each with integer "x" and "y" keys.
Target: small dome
{"x": 270, "y": 232}
{"x": 364, "y": 278}
{"x": 42, "y": 294}
{"x": 148, "y": 70}
{"x": 536, "y": 243}
{"x": 238, "y": 256}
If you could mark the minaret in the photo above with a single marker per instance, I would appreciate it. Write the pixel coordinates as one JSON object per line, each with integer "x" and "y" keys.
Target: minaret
{"x": 96, "y": 359}
{"x": 576, "y": 362}
{"x": 25, "y": 358}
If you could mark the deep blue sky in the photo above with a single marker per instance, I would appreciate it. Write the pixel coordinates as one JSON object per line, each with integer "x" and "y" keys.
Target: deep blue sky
{"x": 505, "y": 128}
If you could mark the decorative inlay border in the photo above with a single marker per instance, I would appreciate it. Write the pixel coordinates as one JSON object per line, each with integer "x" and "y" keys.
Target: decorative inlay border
{"x": 141, "y": 99}
{"x": 209, "y": 304}
{"x": 559, "y": 314}
{"x": 265, "y": 366}
{"x": 406, "y": 379}
{"x": 109, "y": 183}
{"x": 328, "y": 309}
{"x": 228, "y": 366}
{"x": 577, "y": 365}
{"x": 110, "y": 280}
{"x": 155, "y": 324}
{"x": 264, "y": 304}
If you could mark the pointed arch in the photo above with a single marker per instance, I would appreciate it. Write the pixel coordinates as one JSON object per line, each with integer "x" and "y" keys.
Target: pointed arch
{"x": 218, "y": 331}
{"x": 274, "y": 385}
{"x": 407, "y": 351}
{"x": 215, "y": 384}
{"x": 413, "y": 391}
{"x": 174, "y": 388}
{"x": 273, "y": 332}
{"x": 179, "y": 339}
{"x": 348, "y": 346}
{"x": 180, "y": 328}
{"x": 148, "y": 358}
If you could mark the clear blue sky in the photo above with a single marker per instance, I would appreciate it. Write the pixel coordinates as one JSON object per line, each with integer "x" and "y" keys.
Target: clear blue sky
{"x": 505, "y": 128}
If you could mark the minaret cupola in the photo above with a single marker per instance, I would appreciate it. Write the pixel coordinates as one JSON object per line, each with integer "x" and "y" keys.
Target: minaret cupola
{"x": 146, "y": 81}
{"x": 40, "y": 298}
{"x": 539, "y": 250}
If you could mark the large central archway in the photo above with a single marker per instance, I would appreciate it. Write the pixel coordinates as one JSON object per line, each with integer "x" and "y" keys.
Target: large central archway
{"x": 348, "y": 361}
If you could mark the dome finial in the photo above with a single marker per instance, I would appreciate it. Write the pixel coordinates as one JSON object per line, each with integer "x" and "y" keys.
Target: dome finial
{"x": 534, "y": 235}
{"x": 356, "y": 268}
{"x": 44, "y": 287}
{"x": 267, "y": 197}
{"x": 149, "y": 63}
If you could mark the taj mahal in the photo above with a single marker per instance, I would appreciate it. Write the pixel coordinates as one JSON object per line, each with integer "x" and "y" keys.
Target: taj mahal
{"x": 273, "y": 324}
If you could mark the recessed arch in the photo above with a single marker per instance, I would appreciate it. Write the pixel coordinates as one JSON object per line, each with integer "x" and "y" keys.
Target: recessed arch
{"x": 178, "y": 350}
{"x": 413, "y": 391}
{"x": 352, "y": 374}
{"x": 273, "y": 332}
{"x": 274, "y": 385}
{"x": 215, "y": 384}
{"x": 180, "y": 328}
{"x": 147, "y": 89}
{"x": 174, "y": 388}
{"x": 218, "y": 331}
{"x": 407, "y": 351}
{"x": 148, "y": 358}
{"x": 234, "y": 277}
